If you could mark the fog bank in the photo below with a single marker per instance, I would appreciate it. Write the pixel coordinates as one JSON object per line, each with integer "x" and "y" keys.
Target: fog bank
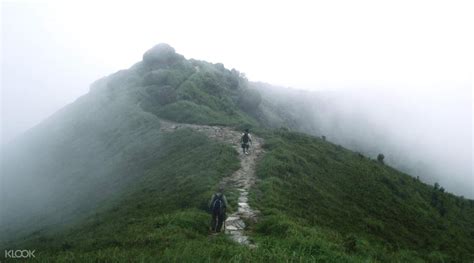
{"x": 426, "y": 132}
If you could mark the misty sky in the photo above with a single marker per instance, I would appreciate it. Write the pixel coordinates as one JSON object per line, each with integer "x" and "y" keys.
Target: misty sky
{"x": 51, "y": 51}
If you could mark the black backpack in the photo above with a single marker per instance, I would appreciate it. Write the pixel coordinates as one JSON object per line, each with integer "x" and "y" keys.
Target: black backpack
{"x": 218, "y": 205}
{"x": 245, "y": 138}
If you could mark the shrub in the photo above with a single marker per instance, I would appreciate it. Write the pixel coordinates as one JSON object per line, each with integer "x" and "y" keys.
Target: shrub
{"x": 163, "y": 77}
{"x": 380, "y": 158}
{"x": 249, "y": 100}
{"x": 162, "y": 95}
{"x": 350, "y": 243}
{"x": 161, "y": 55}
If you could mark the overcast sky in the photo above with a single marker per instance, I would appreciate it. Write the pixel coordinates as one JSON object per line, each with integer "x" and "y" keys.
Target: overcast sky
{"x": 53, "y": 50}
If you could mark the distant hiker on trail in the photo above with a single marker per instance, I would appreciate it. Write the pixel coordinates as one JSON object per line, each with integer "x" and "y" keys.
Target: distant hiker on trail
{"x": 245, "y": 140}
{"x": 218, "y": 206}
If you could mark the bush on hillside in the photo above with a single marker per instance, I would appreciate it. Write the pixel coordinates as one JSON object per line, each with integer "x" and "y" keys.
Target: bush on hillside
{"x": 237, "y": 80}
{"x": 249, "y": 100}
{"x": 380, "y": 158}
{"x": 161, "y": 55}
{"x": 162, "y": 95}
{"x": 164, "y": 77}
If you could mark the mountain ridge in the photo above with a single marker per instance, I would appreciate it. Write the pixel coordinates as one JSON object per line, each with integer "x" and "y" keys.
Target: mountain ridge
{"x": 104, "y": 157}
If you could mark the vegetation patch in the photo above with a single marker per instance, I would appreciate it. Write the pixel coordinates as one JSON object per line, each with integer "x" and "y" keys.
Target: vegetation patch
{"x": 360, "y": 205}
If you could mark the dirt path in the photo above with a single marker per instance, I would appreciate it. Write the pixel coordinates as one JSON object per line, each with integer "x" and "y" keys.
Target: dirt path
{"x": 242, "y": 179}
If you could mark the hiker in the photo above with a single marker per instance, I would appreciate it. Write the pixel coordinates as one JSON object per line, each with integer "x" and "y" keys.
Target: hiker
{"x": 245, "y": 140}
{"x": 218, "y": 206}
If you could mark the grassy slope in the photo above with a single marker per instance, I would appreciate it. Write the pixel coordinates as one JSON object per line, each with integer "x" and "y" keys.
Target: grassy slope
{"x": 158, "y": 216}
{"x": 109, "y": 136}
{"x": 74, "y": 160}
{"x": 319, "y": 201}
{"x": 191, "y": 91}
{"x": 370, "y": 209}
{"x": 163, "y": 217}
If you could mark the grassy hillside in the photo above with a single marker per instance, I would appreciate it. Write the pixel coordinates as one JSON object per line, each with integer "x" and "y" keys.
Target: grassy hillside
{"x": 184, "y": 90}
{"x": 194, "y": 91}
{"x": 157, "y": 214}
{"x": 109, "y": 136}
{"x": 100, "y": 182}
{"x": 374, "y": 211}
{"x": 82, "y": 155}
{"x": 163, "y": 216}
{"x": 318, "y": 202}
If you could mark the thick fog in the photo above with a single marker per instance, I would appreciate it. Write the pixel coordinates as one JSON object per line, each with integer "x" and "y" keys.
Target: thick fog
{"x": 392, "y": 78}
{"x": 52, "y": 50}
{"x": 424, "y": 132}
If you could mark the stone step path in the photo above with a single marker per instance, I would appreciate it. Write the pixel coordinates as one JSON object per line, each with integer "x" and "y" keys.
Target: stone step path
{"x": 242, "y": 179}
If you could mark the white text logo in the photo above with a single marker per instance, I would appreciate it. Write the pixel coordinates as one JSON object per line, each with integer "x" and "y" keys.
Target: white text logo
{"x": 19, "y": 253}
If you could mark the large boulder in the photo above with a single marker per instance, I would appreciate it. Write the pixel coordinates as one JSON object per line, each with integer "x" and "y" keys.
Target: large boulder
{"x": 161, "y": 55}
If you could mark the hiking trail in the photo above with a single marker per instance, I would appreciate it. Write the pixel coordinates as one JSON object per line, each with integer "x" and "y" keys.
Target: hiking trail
{"x": 242, "y": 179}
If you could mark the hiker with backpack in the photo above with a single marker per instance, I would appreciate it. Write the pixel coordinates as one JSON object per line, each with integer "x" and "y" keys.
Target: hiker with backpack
{"x": 218, "y": 206}
{"x": 245, "y": 141}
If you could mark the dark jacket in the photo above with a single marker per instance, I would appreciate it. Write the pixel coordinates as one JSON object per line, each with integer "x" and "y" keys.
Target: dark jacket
{"x": 214, "y": 197}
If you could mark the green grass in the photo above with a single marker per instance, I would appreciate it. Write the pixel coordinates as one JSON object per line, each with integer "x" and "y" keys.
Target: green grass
{"x": 194, "y": 91}
{"x": 148, "y": 198}
{"x": 319, "y": 203}
{"x": 189, "y": 112}
{"x": 163, "y": 217}
{"x": 309, "y": 186}
{"x": 162, "y": 210}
